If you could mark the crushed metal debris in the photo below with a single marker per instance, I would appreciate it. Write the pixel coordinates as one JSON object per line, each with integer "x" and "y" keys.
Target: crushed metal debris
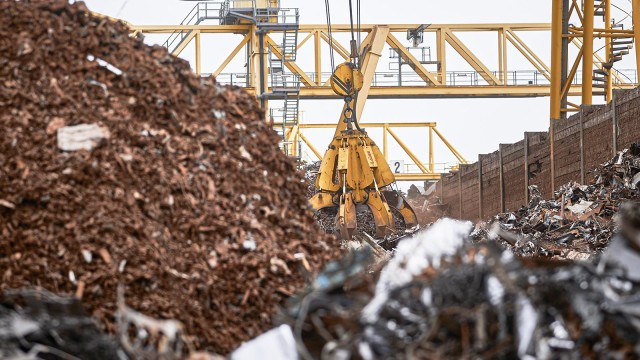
{"x": 445, "y": 296}
{"x": 578, "y": 223}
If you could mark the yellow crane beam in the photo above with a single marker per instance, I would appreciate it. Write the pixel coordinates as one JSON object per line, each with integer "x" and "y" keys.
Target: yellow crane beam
{"x": 435, "y": 83}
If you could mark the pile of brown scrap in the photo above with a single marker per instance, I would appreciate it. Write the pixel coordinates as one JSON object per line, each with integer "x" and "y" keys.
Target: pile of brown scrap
{"x": 443, "y": 296}
{"x": 578, "y": 223}
{"x": 118, "y": 165}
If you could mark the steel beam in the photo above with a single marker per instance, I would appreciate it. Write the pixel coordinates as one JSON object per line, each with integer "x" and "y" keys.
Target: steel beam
{"x": 502, "y": 57}
{"x": 184, "y": 43}
{"x": 408, "y": 151}
{"x": 587, "y": 47}
{"x": 442, "y": 56}
{"x": 451, "y": 92}
{"x": 470, "y": 58}
{"x": 198, "y": 60}
{"x": 234, "y": 52}
{"x": 607, "y": 50}
{"x": 310, "y": 145}
{"x": 556, "y": 58}
{"x": 341, "y": 28}
{"x": 528, "y": 53}
{"x": 406, "y": 56}
{"x": 317, "y": 57}
{"x": 417, "y": 177}
{"x": 432, "y": 163}
{"x": 636, "y": 30}
{"x": 564, "y": 55}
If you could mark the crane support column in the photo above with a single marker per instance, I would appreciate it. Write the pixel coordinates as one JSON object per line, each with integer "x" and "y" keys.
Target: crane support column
{"x": 587, "y": 48}
{"x": 636, "y": 30}
{"x": 556, "y": 58}
{"x": 565, "y": 58}
{"x": 607, "y": 25}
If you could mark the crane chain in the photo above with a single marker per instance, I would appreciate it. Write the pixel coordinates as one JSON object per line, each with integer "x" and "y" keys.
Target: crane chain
{"x": 348, "y": 113}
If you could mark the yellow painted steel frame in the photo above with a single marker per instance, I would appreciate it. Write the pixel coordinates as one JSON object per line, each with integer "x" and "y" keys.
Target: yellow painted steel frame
{"x": 636, "y": 30}
{"x": 582, "y": 36}
{"x": 427, "y": 170}
{"x": 314, "y": 86}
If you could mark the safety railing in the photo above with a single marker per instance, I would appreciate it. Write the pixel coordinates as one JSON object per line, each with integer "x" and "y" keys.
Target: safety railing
{"x": 237, "y": 79}
{"x": 454, "y": 78}
{"x": 248, "y": 4}
{"x": 412, "y": 168}
{"x": 280, "y": 17}
{"x": 203, "y": 10}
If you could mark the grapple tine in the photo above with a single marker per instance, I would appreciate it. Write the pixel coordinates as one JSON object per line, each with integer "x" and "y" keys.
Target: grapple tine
{"x": 346, "y": 218}
{"x": 381, "y": 214}
{"x": 409, "y": 216}
{"x": 399, "y": 202}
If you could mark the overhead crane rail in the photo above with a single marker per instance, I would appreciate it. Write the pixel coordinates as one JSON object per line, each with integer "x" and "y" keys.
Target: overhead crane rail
{"x": 622, "y": 77}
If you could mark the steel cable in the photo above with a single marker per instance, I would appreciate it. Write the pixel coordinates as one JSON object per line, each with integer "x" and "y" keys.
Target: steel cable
{"x": 328, "y": 15}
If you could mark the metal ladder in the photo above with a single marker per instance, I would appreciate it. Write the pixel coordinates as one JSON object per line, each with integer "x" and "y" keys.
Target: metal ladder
{"x": 290, "y": 44}
{"x": 285, "y": 20}
{"x": 287, "y": 87}
{"x": 599, "y": 8}
{"x": 276, "y": 71}
{"x": 278, "y": 116}
{"x": 291, "y": 110}
{"x": 619, "y": 48}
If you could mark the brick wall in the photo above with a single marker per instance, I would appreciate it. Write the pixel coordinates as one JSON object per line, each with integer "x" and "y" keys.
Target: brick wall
{"x": 627, "y": 116}
{"x": 539, "y": 162}
{"x": 490, "y": 183}
{"x": 580, "y": 144}
{"x": 470, "y": 191}
{"x": 513, "y": 174}
{"x": 451, "y": 194}
{"x": 597, "y": 139}
{"x": 567, "y": 149}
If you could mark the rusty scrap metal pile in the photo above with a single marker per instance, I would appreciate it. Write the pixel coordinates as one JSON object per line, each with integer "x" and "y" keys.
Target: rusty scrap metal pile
{"x": 578, "y": 223}
{"x": 118, "y": 165}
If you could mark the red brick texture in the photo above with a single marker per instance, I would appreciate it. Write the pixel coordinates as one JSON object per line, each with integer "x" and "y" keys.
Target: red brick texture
{"x": 470, "y": 192}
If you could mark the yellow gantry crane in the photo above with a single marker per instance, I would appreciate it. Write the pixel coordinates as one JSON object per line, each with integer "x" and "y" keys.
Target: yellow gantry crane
{"x": 272, "y": 36}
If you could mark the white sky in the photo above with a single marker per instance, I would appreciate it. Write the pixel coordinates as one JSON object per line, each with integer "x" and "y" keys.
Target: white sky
{"x": 472, "y": 125}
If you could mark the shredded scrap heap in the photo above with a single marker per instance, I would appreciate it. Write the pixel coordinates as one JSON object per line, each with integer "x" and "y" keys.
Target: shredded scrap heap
{"x": 119, "y": 165}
